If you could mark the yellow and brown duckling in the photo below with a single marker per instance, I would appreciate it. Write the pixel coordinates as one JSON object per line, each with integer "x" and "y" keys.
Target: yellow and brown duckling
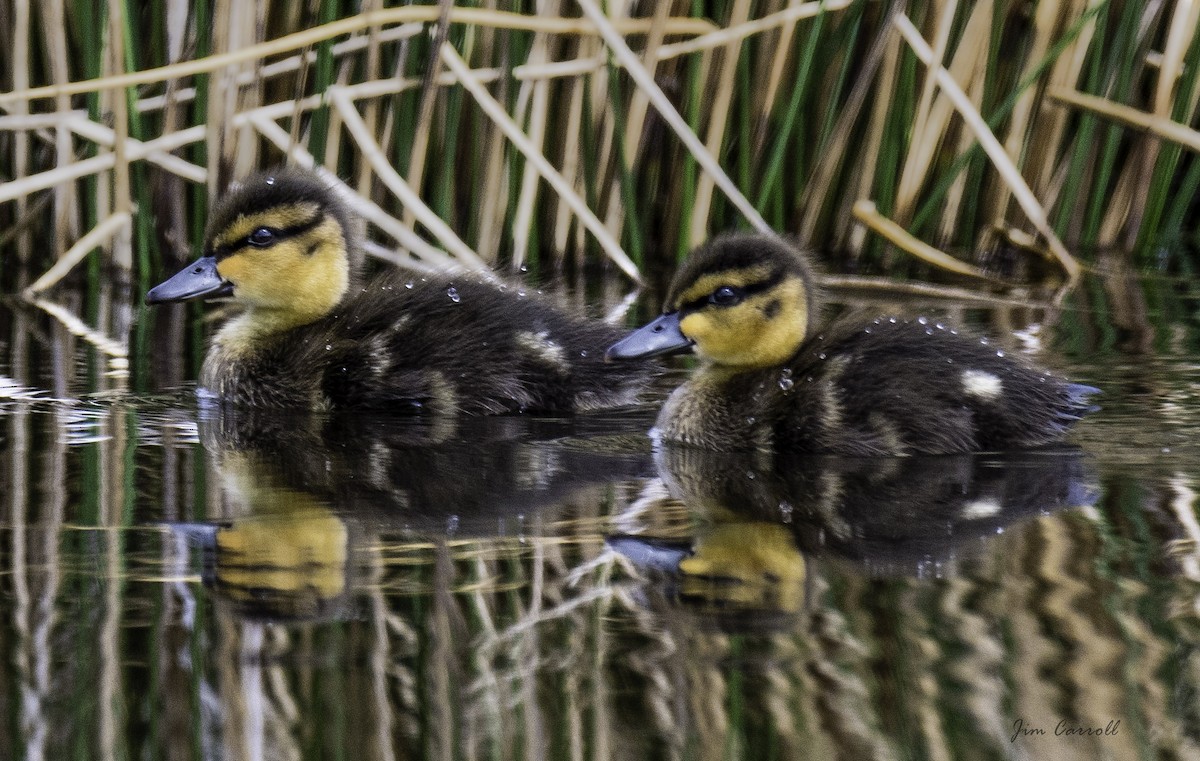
{"x": 310, "y": 337}
{"x": 769, "y": 380}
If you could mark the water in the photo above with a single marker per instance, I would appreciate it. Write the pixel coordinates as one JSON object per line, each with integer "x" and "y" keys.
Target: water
{"x": 179, "y": 584}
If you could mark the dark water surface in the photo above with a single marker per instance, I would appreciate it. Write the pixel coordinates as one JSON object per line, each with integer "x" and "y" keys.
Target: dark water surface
{"x": 177, "y": 584}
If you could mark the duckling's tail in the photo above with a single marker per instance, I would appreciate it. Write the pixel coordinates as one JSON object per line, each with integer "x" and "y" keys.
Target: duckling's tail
{"x": 1075, "y": 403}
{"x": 1079, "y": 397}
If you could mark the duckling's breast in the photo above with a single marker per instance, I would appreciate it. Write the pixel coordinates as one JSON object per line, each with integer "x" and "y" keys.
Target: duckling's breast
{"x": 720, "y": 411}
{"x": 278, "y": 372}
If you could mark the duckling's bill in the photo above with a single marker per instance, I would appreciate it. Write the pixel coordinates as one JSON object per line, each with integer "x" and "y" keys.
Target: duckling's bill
{"x": 660, "y": 337}
{"x": 199, "y": 279}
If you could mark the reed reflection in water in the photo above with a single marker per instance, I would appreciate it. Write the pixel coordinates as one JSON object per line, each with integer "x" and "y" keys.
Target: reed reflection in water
{"x": 179, "y": 584}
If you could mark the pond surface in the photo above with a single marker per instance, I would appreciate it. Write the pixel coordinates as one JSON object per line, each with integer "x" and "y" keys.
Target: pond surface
{"x": 179, "y": 584}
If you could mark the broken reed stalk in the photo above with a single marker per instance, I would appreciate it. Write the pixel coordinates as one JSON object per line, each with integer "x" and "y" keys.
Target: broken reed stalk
{"x": 866, "y": 213}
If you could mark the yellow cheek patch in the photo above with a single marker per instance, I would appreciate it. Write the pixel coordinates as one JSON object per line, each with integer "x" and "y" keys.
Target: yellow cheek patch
{"x": 262, "y": 278}
{"x": 278, "y": 217}
{"x": 276, "y": 267}
{"x": 784, "y": 305}
{"x": 696, "y": 326}
{"x": 300, "y": 278}
{"x": 765, "y": 329}
{"x": 234, "y": 268}
{"x": 722, "y": 335}
{"x": 738, "y": 278}
{"x": 777, "y": 338}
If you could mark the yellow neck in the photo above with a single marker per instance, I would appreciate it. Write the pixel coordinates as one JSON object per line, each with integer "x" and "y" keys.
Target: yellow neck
{"x": 256, "y": 324}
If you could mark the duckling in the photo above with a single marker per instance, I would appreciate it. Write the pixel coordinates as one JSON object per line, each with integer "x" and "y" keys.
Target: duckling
{"x": 309, "y": 336}
{"x": 769, "y": 381}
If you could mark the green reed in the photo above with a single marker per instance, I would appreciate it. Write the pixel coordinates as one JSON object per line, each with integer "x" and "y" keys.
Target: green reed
{"x": 774, "y": 152}
{"x": 1163, "y": 223}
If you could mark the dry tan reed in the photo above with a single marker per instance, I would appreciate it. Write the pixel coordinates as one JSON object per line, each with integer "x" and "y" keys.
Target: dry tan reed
{"x": 631, "y": 133}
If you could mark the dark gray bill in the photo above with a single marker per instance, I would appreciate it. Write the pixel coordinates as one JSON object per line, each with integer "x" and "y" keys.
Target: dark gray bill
{"x": 662, "y": 336}
{"x": 198, "y": 280}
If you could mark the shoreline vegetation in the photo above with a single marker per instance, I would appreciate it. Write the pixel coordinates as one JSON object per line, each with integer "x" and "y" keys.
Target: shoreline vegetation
{"x": 969, "y": 150}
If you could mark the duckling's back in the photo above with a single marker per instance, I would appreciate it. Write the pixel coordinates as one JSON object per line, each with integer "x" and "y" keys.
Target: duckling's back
{"x": 435, "y": 345}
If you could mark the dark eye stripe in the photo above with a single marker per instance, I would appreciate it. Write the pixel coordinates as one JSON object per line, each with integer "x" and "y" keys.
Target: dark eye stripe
{"x": 220, "y": 252}
{"x": 745, "y": 291}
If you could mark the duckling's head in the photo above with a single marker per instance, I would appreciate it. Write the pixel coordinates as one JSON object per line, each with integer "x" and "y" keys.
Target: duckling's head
{"x": 278, "y": 242}
{"x": 740, "y": 301}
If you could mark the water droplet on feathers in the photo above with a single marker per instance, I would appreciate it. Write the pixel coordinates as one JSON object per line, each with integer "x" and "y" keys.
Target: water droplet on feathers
{"x": 452, "y": 292}
{"x": 785, "y": 511}
{"x": 785, "y": 379}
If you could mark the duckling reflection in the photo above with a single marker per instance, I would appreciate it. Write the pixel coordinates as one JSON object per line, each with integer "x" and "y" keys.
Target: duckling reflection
{"x": 309, "y": 512}
{"x": 287, "y": 556}
{"x": 755, "y": 523}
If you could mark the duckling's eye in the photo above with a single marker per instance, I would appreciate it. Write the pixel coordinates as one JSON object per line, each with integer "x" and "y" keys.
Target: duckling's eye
{"x": 263, "y": 236}
{"x": 725, "y": 296}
